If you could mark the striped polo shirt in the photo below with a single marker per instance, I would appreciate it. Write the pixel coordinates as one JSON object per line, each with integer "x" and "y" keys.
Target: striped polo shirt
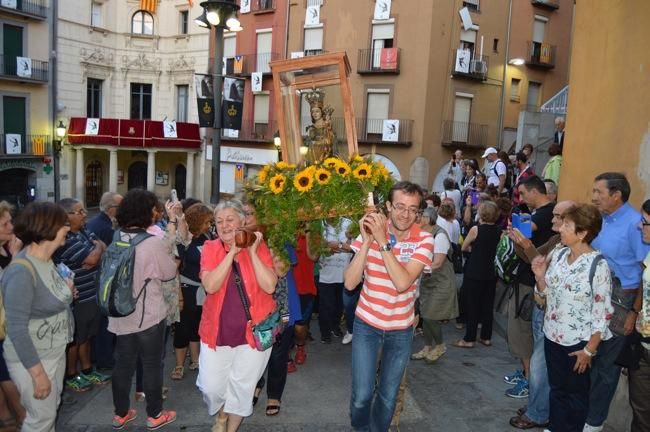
{"x": 78, "y": 245}
{"x": 380, "y": 305}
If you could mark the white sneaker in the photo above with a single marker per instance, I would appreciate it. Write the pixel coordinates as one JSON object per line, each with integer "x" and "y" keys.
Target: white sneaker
{"x": 588, "y": 428}
{"x": 347, "y": 338}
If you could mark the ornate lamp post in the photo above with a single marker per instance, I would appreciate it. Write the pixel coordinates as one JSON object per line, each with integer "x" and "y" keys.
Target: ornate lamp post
{"x": 220, "y": 15}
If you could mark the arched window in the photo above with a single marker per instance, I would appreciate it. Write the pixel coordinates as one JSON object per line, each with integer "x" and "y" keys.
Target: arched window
{"x": 142, "y": 23}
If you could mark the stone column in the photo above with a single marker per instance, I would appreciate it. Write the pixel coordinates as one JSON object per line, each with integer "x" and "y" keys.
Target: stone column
{"x": 151, "y": 170}
{"x": 112, "y": 171}
{"x": 189, "y": 175}
{"x": 80, "y": 176}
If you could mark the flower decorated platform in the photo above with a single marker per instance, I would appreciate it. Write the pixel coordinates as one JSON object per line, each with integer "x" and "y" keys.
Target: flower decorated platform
{"x": 289, "y": 198}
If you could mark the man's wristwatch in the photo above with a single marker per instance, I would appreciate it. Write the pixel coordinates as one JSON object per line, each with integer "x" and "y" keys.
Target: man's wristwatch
{"x": 385, "y": 248}
{"x": 589, "y": 353}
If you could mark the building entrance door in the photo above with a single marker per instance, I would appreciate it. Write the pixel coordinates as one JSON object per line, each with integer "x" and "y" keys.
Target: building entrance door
{"x": 180, "y": 176}
{"x": 138, "y": 175}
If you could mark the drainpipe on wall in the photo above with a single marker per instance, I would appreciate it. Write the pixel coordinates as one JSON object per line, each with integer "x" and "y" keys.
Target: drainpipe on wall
{"x": 53, "y": 95}
{"x": 502, "y": 102}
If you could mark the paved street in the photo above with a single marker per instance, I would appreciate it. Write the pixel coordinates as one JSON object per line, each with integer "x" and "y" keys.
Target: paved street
{"x": 463, "y": 392}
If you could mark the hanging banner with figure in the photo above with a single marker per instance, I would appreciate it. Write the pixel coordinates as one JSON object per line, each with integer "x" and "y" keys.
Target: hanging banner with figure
{"x": 390, "y": 131}
{"x": 256, "y": 82}
{"x": 169, "y": 129}
{"x": 233, "y": 103}
{"x": 14, "y": 143}
{"x": 462, "y": 60}
{"x": 245, "y": 6}
{"x": 204, "y": 99}
{"x": 312, "y": 16}
{"x": 92, "y": 126}
{"x": 382, "y": 10}
{"x": 24, "y": 67}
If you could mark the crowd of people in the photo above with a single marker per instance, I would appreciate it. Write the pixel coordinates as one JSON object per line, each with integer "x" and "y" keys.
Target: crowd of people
{"x": 239, "y": 313}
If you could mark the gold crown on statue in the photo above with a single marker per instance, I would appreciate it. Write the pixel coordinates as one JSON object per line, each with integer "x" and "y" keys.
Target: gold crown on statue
{"x": 315, "y": 98}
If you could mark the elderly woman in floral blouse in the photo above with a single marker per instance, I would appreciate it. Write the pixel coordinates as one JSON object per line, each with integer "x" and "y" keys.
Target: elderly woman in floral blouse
{"x": 576, "y": 283}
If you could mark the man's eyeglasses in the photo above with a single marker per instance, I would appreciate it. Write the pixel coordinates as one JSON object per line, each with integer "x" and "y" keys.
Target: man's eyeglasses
{"x": 79, "y": 212}
{"x": 644, "y": 222}
{"x": 401, "y": 208}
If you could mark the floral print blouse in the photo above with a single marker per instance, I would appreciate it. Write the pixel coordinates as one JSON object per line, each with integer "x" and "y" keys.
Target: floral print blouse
{"x": 643, "y": 321}
{"x": 574, "y": 309}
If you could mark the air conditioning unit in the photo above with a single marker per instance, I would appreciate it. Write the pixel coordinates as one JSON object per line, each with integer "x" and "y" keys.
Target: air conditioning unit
{"x": 478, "y": 67}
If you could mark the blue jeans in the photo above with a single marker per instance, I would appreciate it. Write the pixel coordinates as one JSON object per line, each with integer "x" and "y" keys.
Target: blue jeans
{"x": 350, "y": 299}
{"x": 604, "y": 379}
{"x": 538, "y": 387}
{"x": 374, "y": 397}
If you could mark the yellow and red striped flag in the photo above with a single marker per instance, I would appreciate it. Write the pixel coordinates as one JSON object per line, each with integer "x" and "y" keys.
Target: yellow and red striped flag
{"x": 148, "y": 5}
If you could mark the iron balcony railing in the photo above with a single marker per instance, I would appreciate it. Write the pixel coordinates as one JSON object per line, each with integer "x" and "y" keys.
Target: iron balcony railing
{"x": 464, "y": 134}
{"x": 263, "y": 5}
{"x": 541, "y": 54}
{"x": 380, "y": 60}
{"x": 11, "y": 67}
{"x": 476, "y": 68}
{"x": 252, "y": 131}
{"x": 549, "y": 4}
{"x": 246, "y": 64}
{"x": 34, "y": 8}
{"x": 314, "y": 52}
{"x": 24, "y": 145}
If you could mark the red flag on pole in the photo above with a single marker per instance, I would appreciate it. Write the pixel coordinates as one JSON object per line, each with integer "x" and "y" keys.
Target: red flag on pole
{"x": 148, "y": 5}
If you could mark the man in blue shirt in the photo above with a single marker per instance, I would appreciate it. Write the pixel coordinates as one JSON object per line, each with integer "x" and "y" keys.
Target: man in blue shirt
{"x": 621, "y": 244}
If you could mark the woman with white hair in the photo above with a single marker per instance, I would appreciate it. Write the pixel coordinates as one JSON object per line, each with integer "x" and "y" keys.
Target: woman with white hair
{"x": 229, "y": 363}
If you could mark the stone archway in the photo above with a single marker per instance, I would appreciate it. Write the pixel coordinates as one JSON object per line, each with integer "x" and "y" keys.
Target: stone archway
{"x": 137, "y": 175}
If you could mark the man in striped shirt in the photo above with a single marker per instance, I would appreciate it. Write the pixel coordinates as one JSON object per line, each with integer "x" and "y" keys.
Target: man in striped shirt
{"x": 82, "y": 254}
{"x": 391, "y": 253}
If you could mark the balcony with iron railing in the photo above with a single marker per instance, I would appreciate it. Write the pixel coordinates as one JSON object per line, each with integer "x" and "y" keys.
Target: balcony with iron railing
{"x": 475, "y": 69}
{"x": 548, "y": 4}
{"x": 541, "y": 55}
{"x": 251, "y": 131}
{"x": 462, "y": 134}
{"x": 26, "y": 8}
{"x": 379, "y": 61}
{"x": 21, "y": 145}
{"x": 17, "y": 70}
{"x": 371, "y": 131}
{"x": 262, "y": 6}
{"x": 246, "y": 64}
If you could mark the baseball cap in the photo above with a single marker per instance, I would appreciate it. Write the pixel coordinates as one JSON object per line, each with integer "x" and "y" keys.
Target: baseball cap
{"x": 489, "y": 151}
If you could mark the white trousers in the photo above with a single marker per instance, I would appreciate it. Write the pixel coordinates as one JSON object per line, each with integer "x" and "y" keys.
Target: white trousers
{"x": 227, "y": 377}
{"x": 41, "y": 414}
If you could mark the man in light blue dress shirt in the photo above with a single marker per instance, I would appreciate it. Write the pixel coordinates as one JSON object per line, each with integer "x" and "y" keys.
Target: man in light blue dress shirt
{"x": 622, "y": 246}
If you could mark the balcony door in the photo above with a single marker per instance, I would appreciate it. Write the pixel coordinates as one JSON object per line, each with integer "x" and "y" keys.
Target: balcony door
{"x": 15, "y": 123}
{"x": 539, "y": 34}
{"x": 462, "y": 109}
{"x": 377, "y": 112}
{"x": 382, "y": 37}
{"x": 12, "y": 47}
{"x": 264, "y": 49}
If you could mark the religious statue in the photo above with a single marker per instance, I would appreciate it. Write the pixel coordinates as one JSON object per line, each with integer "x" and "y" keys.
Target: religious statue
{"x": 320, "y": 136}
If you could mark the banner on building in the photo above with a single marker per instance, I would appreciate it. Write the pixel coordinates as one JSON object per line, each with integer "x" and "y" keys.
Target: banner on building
{"x": 388, "y": 59}
{"x": 148, "y": 5}
{"x": 92, "y": 126}
{"x": 390, "y": 131}
{"x": 12, "y": 4}
{"x": 463, "y": 57}
{"x": 312, "y": 16}
{"x": 24, "y": 67}
{"x": 466, "y": 18}
{"x": 204, "y": 99}
{"x": 382, "y": 9}
{"x": 256, "y": 82}
{"x": 297, "y": 54}
{"x": 169, "y": 129}
{"x": 238, "y": 64}
{"x": 545, "y": 53}
{"x": 13, "y": 143}
{"x": 245, "y": 6}
{"x": 233, "y": 102}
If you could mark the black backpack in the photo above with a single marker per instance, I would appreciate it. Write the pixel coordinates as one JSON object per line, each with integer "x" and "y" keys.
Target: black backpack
{"x": 115, "y": 292}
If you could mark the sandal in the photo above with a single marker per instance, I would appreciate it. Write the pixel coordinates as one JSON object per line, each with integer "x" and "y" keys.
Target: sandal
{"x": 272, "y": 410}
{"x": 178, "y": 373}
{"x": 462, "y": 343}
{"x": 258, "y": 390}
{"x": 194, "y": 365}
{"x": 486, "y": 342}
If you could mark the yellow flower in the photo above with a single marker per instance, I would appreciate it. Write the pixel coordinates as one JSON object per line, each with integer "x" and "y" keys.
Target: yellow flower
{"x": 331, "y": 162}
{"x": 277, "y": 182}
{"x": 342, "y": 168}
{"x": 303, "y": 181}
{"x": 362, "y": 172}
{"x": 282, "y": 165}
{"x": 322, "y": 176}
{"x": 357, "y": 158}
{"x": 261, "y": 177}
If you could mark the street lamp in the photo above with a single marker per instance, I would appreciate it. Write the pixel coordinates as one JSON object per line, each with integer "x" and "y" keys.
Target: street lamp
{"x": 517, "y": 61}
{"x": 220, "y": 15}
{"x": 57, "y": 146}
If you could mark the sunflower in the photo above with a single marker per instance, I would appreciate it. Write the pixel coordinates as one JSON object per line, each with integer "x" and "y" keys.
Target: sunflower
{"x": 322, "y": 176}
{"x": 342, "y": 168}
{"x": 303, "y": 181}
{"x": 261, "y": 176}
{"x": 282, "y": 165}
{"x": 362, "y": 172}
{"x": 357, "y": 158}
{"x": 331, "y": 162}
{"x": 277, "y": 182}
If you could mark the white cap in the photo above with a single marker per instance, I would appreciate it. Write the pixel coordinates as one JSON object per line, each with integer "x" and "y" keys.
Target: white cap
{"x": 489, "y": 151}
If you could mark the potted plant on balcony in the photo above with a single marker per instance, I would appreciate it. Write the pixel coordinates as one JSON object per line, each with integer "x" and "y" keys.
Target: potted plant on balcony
{"x": 289, "y": 198}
